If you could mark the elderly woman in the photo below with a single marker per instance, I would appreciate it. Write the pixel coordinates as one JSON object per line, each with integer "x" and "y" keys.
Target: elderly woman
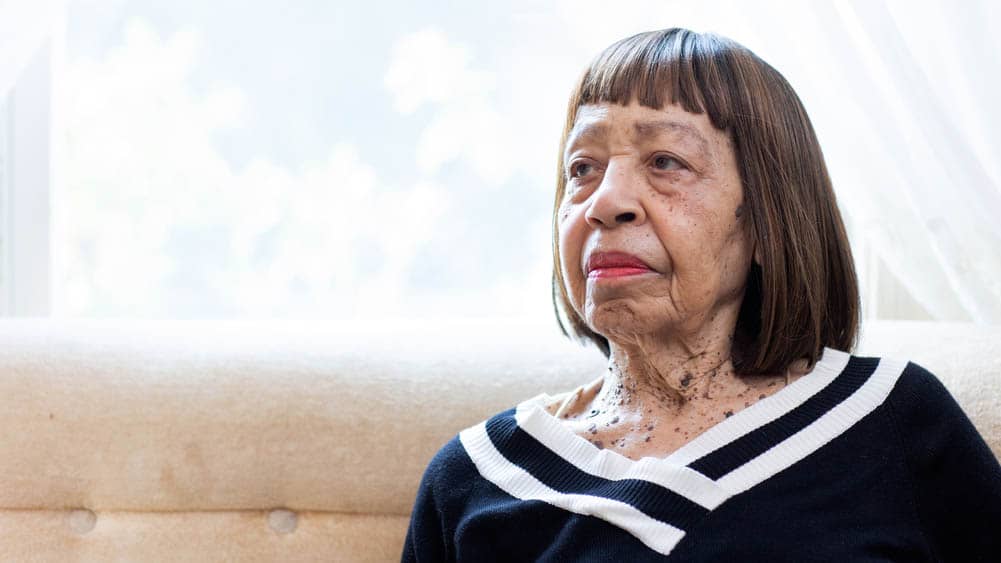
{"x": 698, "y": 244}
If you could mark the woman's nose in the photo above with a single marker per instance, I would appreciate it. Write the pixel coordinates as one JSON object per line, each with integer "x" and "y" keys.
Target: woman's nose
{"x": 616, "y": 200}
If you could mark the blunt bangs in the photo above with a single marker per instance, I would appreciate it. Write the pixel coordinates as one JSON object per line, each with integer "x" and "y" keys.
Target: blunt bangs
{"x": 664, "y": 68}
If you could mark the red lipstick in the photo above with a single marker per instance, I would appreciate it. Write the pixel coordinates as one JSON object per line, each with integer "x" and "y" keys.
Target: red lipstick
{"x": 615, "y": 264}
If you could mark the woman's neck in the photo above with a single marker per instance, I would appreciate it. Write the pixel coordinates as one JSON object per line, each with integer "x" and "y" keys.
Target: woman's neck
{"x": 668, "y": 379}
{"x": 651, "y": 402}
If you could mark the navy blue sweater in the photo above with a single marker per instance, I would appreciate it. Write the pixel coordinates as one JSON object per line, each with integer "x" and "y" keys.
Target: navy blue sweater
{"x": 862, "y": 459}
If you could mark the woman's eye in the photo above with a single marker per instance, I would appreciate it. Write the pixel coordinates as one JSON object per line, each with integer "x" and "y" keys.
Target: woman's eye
{"x": 665, "y": 162}
{"x": 581, "y": 169}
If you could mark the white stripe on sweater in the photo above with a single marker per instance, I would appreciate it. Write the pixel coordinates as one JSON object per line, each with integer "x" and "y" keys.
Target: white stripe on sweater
{"x": 515, "y": 481}
{"x": 811, "y": 438}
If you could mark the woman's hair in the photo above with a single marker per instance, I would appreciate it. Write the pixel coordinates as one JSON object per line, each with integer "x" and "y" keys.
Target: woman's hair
{"x": 804, "y": 294}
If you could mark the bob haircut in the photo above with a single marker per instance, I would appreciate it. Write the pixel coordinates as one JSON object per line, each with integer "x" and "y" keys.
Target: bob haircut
{"x": 804, "y": 294}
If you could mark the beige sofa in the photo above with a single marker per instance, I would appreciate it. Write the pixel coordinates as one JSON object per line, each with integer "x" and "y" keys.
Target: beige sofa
{"x": 226, "y": 441}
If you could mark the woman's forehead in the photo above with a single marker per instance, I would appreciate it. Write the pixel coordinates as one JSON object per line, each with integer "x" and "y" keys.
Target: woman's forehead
{"x": 595, "y": 122}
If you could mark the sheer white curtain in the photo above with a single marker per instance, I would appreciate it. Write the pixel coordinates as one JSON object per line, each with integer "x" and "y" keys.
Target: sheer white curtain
{"x": 904, "y": 96}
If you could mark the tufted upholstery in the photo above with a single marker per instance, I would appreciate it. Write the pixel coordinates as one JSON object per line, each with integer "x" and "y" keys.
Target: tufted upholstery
{"x": 226, "y": 441}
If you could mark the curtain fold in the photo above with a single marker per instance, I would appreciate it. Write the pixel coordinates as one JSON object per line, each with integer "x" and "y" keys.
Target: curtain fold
{"x": 903, "y": 98}
{"x": 952, "y": 195}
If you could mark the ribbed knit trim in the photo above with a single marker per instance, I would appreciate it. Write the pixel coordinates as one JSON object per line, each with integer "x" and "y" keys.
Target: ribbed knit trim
{"x": 515, "y": 481}
{"x": 577, "y": 451}
{"x": 560, "y": 475}
{"x": 758, "y": 439}
{"x": 828, "y": 426}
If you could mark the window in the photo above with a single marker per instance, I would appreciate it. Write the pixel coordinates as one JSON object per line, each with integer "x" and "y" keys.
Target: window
{"x": 25, "y": 186}
{"x": 5, "y": 294}
{"x": 338, "y": 160}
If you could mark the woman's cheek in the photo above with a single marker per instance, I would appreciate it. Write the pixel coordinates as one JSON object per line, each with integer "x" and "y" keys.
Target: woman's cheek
{"x": 564, "y": 212}
{"x": 569, "y": 257}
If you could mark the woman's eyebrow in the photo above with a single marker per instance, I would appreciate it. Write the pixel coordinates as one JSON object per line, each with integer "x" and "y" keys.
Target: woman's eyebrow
{"x": 649, "y": 129}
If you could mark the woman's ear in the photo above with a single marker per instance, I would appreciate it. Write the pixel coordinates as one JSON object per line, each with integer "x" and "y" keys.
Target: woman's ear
{"x": 757, "y": 255}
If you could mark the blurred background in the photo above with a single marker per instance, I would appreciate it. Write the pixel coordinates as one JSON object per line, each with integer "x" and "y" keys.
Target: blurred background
{"x": 334, "y": 160}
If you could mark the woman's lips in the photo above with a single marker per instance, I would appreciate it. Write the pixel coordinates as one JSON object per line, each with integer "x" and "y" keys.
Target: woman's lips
{"x": 617, "y": 272}
{"x": 615, "y": 265}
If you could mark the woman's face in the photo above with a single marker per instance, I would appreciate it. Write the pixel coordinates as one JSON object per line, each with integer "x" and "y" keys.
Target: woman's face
{"x": 662, "y": 188}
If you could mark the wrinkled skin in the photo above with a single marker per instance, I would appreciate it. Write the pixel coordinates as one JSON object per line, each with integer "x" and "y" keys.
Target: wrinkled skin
{"x": 662, "y": 185}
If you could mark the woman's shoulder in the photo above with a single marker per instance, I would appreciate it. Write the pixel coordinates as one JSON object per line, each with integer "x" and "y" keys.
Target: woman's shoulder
{"x": 914, "y": 396}
{"x": 921, "y": 402}
{"x": 908, "y": 386}
{"x": 954, "y": 475}
{"x": 919, "y": 385}
{"x": 917, "y": 391}
{"x": 450, "y": 472}
{"x": 908, "y": 380}
{"x": 932, "y": 424}
{"x": 453, "y": 460}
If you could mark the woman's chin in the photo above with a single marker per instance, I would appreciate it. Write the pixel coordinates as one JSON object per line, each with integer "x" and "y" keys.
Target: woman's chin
{"x": 620, "y": 320}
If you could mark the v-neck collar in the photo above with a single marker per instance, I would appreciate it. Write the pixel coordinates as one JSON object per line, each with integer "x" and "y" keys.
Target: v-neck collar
{"x": 531, "y": 455}
{"x": 533, "y": 417}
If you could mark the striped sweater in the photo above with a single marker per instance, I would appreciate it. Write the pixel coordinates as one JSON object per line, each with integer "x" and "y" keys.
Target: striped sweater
{"x": 862, "y": 459}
